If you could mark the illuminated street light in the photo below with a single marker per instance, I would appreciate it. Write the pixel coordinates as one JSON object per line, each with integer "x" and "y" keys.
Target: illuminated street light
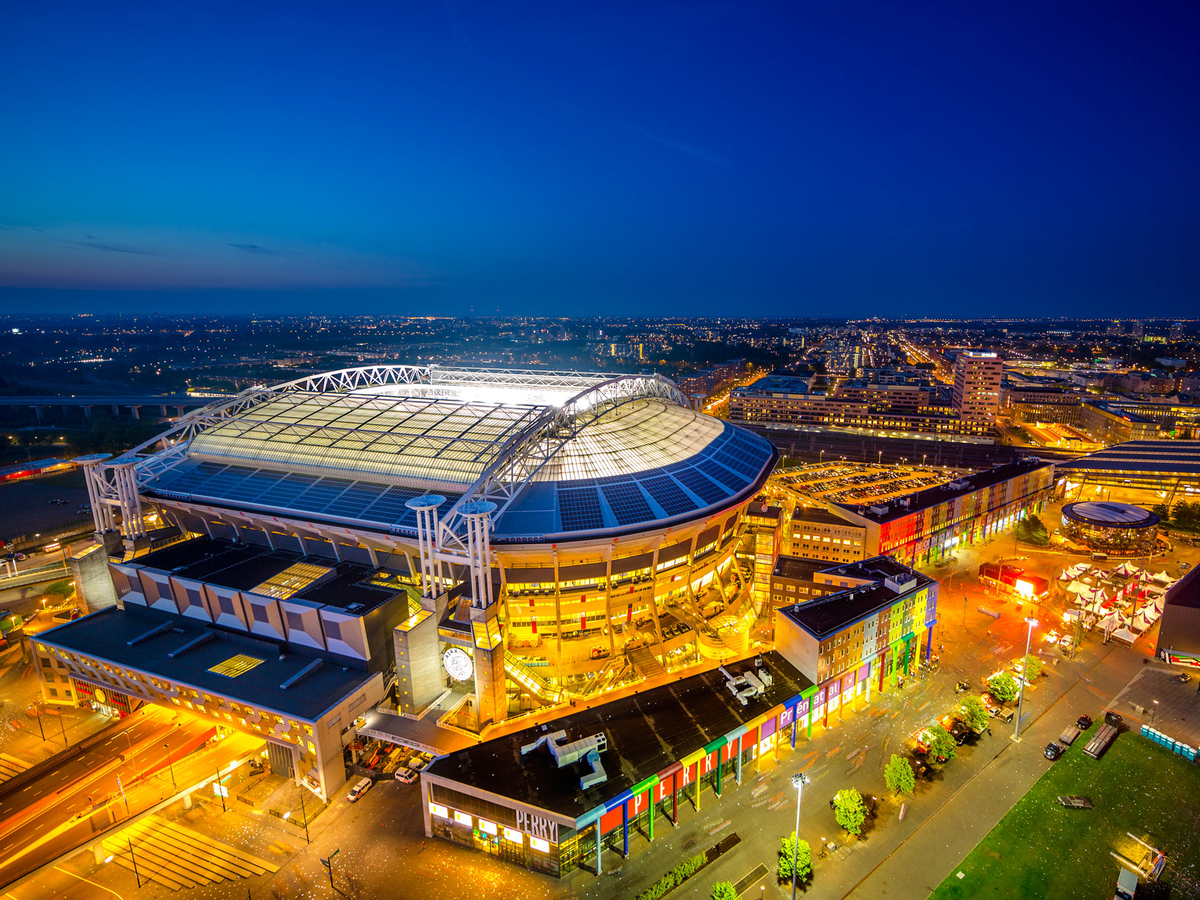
{"x": 798, "y": 782}
{"x": 1030, "y": 621}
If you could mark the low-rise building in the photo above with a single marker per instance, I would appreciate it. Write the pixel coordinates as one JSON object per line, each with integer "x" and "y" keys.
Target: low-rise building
{"x": 928, "y": 524}
{"x": 861, "y": 632}
{"x": 817, "y": 533}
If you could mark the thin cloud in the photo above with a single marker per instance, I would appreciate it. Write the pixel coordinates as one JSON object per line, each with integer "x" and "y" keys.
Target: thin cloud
{"x": 698, "y": 152}
{"x": 255, "y": 249}
{"x": 112, "y": 248}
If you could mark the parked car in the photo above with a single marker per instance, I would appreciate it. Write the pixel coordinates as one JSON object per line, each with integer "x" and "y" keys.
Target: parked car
{"x": 1053, "y": 750}
{"x": 418, "y": 763}
{"x": 404, "y": 775}
{"x": 958, "y": 729}
{"x": 364, "y": 785}
{"x": 1083, "y": 722}
{"x": 65, "y": 615}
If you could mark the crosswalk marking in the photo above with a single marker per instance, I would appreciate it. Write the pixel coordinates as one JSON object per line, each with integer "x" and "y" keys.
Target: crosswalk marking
{"x": 10, "y": 766}
{"x": 178, "y": 857}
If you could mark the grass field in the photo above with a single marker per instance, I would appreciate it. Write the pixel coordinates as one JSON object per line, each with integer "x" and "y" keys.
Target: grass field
{"x": 1044, "y": 850}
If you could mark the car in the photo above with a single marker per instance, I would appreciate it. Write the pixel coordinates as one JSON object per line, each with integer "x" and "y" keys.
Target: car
{"x": 1053, "y": 750}
{"x": 958, "y": 729}
{"x": 1083, "y": 723}
{"x": 50, "y": 548}
{"x": 1002, "y": 713}
{"x": 405, "y": 775}
{"x": 599, "y": 652}
{"x": 418, "y": 763}
{"x": 65, "y": 615}
{"x": 1066, "y": 641}
{"x": 364, "y": 785}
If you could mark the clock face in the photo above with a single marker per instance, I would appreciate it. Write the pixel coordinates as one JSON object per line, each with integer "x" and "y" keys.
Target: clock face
{"x": 457, "y": 664}
{"x": 100, "y": 696}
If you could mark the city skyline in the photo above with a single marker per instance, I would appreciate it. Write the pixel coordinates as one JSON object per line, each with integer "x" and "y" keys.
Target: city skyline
{"x": 631, "y": 161}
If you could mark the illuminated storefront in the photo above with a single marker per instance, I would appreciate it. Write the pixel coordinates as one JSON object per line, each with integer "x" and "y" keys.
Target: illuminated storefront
{"x": 665, "y": 755}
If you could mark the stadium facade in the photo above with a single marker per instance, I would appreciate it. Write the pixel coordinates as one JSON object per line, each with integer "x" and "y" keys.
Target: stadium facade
{"x": 497, "y": 541}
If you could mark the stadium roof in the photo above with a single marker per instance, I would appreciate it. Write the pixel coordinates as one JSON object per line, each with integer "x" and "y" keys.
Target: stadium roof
{"x": 1160, "y": 459}
{"x": 560, "y": 453}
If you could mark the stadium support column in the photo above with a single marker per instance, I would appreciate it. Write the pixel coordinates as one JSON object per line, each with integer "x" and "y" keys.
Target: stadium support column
{"x": 128, "y": 498}
{"x": 102, "y": 518}
{"x": 426, "y": 508}
{"x": 491, "y": 695}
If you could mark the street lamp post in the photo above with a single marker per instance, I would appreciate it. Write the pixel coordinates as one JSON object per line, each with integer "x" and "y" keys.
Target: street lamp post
{"x": 1153, "y": 712}
{"x": 798, "y": 782}
{"x": 170, "y": 766}
{"x": 1030, "y": 621}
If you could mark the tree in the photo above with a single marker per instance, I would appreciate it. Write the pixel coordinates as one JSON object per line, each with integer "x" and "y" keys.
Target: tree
{"x": 1033, "y": 531}
{"x": 898, "y": 775}
{"x": 941, "y": 744}
{"x": 723, "y": 890}
{"x": 1035, "y": 666}
{"x": 974, "y": 713}
{"x": 1003, "y": 687}
{"x": 803, "y": 857}
{"x": 849, "y": 809}
{"x": 1162, "y": 511}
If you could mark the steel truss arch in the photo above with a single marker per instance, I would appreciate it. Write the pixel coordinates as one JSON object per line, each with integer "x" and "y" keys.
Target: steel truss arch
{"x": 524, "y": 455}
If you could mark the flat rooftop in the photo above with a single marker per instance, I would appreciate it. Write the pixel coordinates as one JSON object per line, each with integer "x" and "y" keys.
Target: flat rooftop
{"x": 797, "y": 567}
{"x": 1186, "y": 591}
{"x": 833, "y": 612}
{"x": 243, "y": 567}
{"x": 776, "y": 384}
{"x": 819, "y": 516}
{"x": 646, "y": 733}
{"x": 106, "y": 635}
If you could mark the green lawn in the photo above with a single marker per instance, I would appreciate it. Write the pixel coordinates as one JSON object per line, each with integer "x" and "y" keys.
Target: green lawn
{"x": 1043, "y": 850}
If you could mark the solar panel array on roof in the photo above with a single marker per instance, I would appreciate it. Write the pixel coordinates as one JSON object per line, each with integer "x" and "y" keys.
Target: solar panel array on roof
{"x": 364, "y": 501}
{"x": 580, "y": 509}
{"x": 627, "y": 503}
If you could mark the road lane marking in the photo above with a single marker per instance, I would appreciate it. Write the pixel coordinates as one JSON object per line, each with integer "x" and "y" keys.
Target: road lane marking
{"x": 89, "y": 881}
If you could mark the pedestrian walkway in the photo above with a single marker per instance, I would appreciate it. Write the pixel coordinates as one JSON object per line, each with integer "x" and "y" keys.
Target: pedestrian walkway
{"x": 177, "y": 857}
{"x": 10, "y": 766}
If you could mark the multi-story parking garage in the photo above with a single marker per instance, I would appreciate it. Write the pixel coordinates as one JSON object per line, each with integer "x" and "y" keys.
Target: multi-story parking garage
{"x": 500, "y": 540}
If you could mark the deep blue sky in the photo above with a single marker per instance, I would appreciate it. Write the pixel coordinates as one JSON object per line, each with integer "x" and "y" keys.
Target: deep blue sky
{"x": 801, "y": 158}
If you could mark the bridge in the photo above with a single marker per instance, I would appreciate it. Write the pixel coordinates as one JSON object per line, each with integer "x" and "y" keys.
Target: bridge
{"x": 132, "y": 402}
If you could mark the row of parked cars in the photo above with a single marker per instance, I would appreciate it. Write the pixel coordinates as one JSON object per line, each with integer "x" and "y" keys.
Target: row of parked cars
{"x": 405, "y": 774}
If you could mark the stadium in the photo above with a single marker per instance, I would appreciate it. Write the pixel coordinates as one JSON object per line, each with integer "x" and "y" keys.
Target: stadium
{"x": 500, "y": 540}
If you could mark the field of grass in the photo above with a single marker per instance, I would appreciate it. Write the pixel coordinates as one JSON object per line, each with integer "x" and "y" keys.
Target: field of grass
{"x": 1044, "y": 850}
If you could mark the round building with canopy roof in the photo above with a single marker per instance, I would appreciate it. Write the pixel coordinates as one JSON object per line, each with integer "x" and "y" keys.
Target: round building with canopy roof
{"x": 1111, "y": 527}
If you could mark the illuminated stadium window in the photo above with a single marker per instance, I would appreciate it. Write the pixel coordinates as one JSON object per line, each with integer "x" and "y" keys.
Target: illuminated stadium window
{"x": 236, "y": 665}
{"x": 291, "y": 580}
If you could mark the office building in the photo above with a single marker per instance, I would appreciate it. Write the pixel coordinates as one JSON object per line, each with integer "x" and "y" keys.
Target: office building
{"x": 977, "y": 376}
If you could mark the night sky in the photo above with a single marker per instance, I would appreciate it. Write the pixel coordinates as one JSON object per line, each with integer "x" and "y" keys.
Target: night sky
{"x": 794, "y": 159}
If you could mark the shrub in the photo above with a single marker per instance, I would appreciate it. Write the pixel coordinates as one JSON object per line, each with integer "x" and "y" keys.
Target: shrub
{"x": 674, "y": 878}
{"x": 1033, "y": 669}
{"x": 63, "y": 588}
{"x": 723, "y": 890}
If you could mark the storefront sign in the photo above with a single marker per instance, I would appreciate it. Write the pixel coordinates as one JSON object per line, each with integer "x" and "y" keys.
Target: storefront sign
{"x": 537, "y": 827}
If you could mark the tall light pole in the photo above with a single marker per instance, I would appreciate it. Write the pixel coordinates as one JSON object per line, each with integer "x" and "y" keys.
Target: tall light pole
{"x": 1030, "y": 621}
{"x": 170, "y": 766}
{"x": 798, "y": 782}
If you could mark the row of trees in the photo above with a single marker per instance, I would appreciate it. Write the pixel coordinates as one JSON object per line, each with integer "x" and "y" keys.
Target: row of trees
{"x": 1182, "y": 515}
